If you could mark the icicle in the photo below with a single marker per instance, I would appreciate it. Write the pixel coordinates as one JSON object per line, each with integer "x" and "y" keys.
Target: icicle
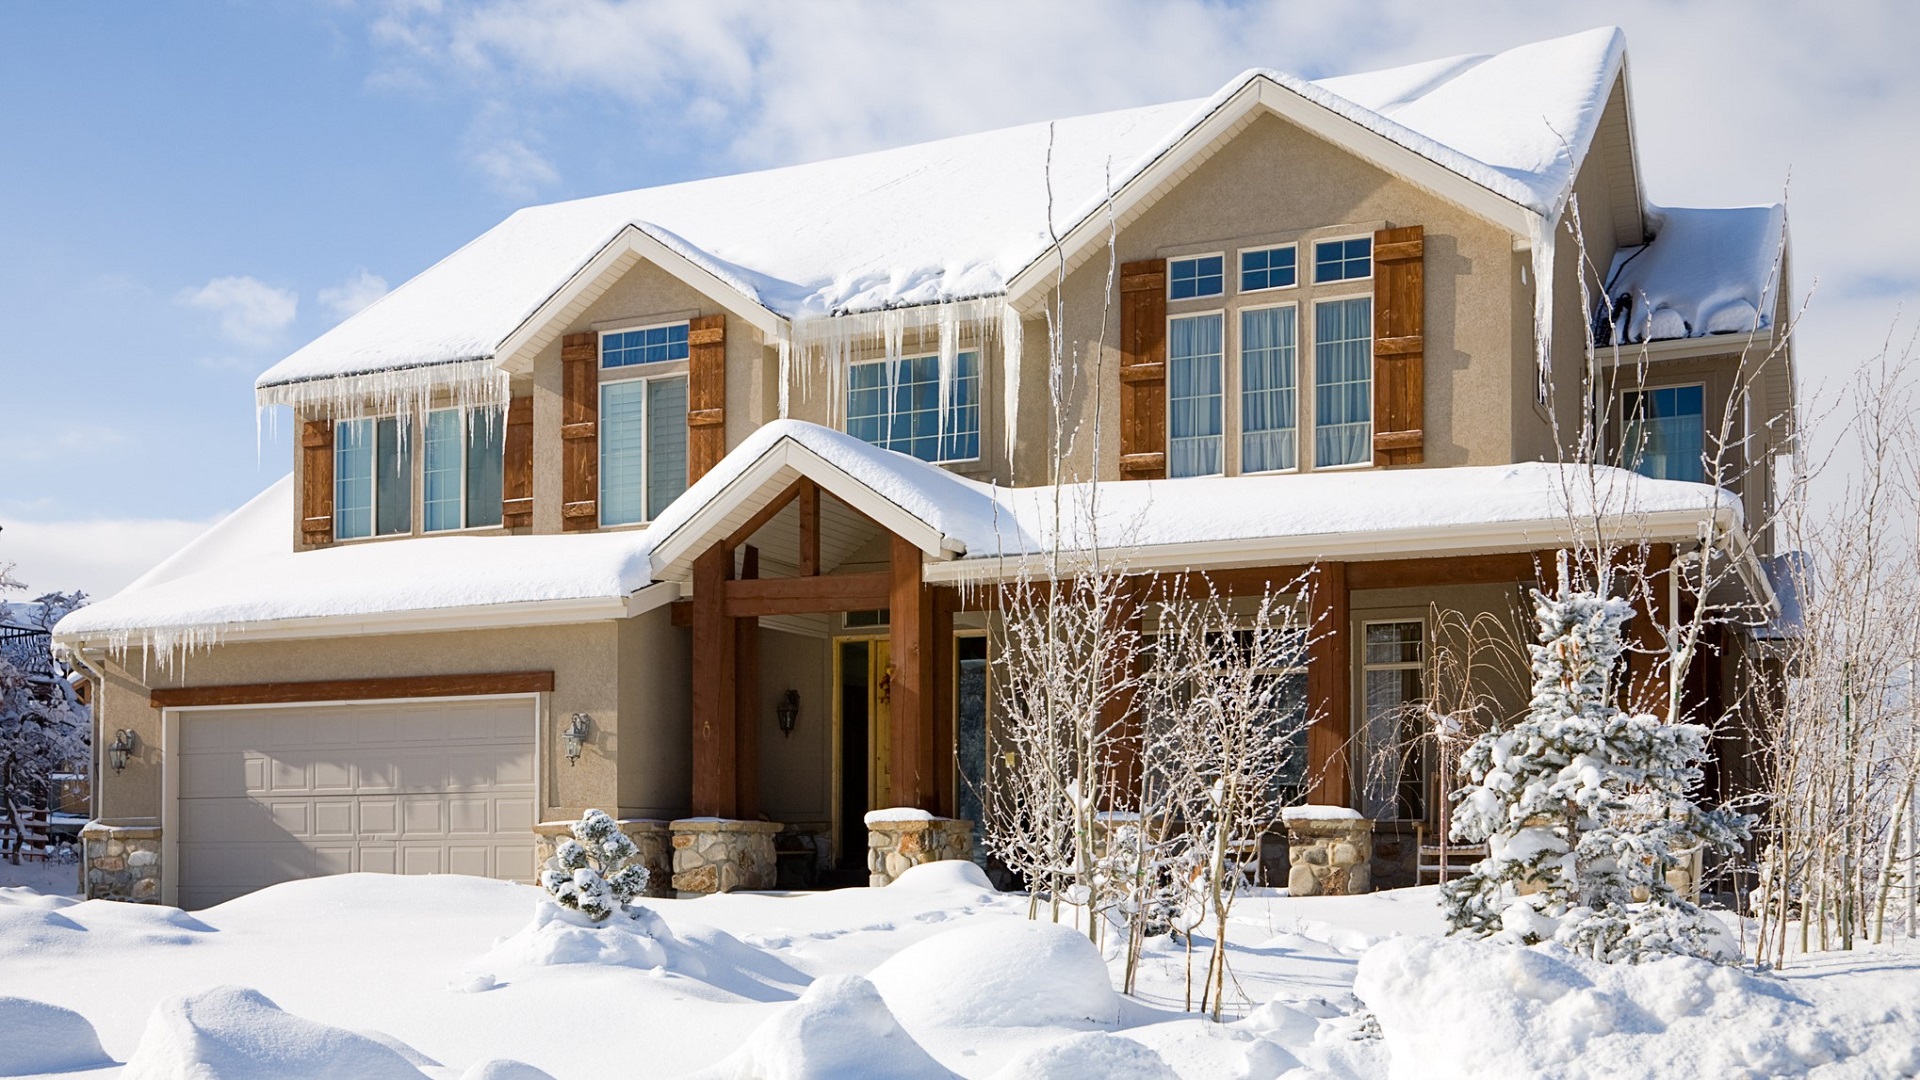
{"x": 1012, "y": 342}
{"x": 1540, "y": 232}
{"x": 828, "y": 343}
{"x": 469, "y": 384}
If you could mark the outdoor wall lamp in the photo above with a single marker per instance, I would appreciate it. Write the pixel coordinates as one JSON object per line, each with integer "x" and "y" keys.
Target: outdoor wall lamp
{"x": 120, "y": 748}
{"x": 788, "y": 712}
{"x": 576, "y": 736}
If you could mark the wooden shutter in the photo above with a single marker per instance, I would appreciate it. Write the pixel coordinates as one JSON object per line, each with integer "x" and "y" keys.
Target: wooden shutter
{"x": 580, "y": 431}
{"x": 1143, "y": 370}
{"x": 706, "y": 394}
{"x": 316, "y": 481}
{"x": 516, "y": 486}
{"x": 1399, "y": 346}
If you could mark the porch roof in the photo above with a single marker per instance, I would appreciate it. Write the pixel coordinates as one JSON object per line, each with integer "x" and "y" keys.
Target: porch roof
{"x": 241, "y": 579}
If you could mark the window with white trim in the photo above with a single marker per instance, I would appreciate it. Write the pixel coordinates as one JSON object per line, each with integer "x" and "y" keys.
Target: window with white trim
{"x": 1343, "y": 382}
{"x": 1393, "y": 664}
{"x": 1665, "y": 432}
{"x": 1343, "y": 260}
{"x": 903, "y": 404}
{"x": 1269, "y": 268}
{"x": 643, "y": 345}
{"x": 372, "y": 477}
{"x": 1195, "y": 395}
{"x": 643, "y": 447}
{"x": 1269, "y": 389}
{"x": 463, "y": 466}
{"x": 1202, "y": 275}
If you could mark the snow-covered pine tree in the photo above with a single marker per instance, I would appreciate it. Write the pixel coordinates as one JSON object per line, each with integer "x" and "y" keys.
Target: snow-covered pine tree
{"x": 1584, "y": 807}
{"x": 593, "y": 873}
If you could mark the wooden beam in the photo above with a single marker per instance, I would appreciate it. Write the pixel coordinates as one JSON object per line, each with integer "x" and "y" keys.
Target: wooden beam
{"x": 1445, "y": 570}
{"x": 807, "y": 595}
{"x": 1118, "y": 712}
{"x": 909, "y": 621}
{"x": 765, "y": 514}
{"x": 746, "y": 701}
{"x": 942, "y": 750}
{"x": 410, "y": 686}
{"x": 809, "y": 528}
{"x": 680, "y": 613}
{"x": 1330, "y": 688}
{"x": 715, "y": 749}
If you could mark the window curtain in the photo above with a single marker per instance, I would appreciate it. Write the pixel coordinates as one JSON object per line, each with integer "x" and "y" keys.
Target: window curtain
{"x": 666, "y": 456}
{"x": 1343, "y": 391}
{"x": 622, "y": 451}
{"x": 1268, "y": 391}
{"x": 1194, "y": 391}
{"x": 441, "y": 474}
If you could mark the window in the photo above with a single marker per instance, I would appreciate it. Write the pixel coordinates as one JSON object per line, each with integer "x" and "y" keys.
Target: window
{"x": 897, "y": 404}
{"x": 1665, "y": 432}
{"x": 1394, "y": 785}
{"x": 1268, "y": 268}
{"x": 1288, "y": 718}
{"x": 464, "y": 465}
{"x": 1269, "y": 394}
{"x": 1202, "y": 276}
{"x": 372, "y": 478}
{"x": 1343, "y": 382}
{"x": 1194, "y": 395}
{"x": 1343, "y": 260}
{"x": 647, "y": 345}
{"x": 643, "y": 447}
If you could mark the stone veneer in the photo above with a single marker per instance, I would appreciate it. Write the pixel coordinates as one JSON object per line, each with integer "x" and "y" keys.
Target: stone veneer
{"x": 894, "y": 846}
{"x": 713, "y": 855}
{"x": 121, "y": 862}
{"x": 1329, "y": 851}
{"x": 648, "y": 834}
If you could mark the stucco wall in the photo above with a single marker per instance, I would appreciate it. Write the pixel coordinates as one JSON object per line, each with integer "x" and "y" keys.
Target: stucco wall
{"x": 796, "y": 771}
{"x": 1274, "y": 183}
{"x": 655, "y": 751}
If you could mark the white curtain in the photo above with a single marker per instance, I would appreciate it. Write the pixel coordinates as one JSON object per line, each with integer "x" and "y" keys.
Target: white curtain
{"x": 1268, "y": 390}
{"x": 1343, "y": 382}
{"x": 1194, "y": 392}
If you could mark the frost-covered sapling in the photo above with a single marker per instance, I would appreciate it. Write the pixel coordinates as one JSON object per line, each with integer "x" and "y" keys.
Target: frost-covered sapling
{"x": 593, "y": 873}
{"x": 1584, "y": 806}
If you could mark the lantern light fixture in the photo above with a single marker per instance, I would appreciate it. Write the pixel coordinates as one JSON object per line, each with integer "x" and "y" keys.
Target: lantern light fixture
{"x": 788, "y": 712}
{"x": 576, "y": 735}
{"x": 121, "y": 748}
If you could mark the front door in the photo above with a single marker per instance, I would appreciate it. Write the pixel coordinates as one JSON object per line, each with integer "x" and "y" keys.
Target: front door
{"x": 864, "y": 719}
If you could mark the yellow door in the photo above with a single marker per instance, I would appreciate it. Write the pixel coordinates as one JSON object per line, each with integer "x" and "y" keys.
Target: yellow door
{"x": 880, "y": 724}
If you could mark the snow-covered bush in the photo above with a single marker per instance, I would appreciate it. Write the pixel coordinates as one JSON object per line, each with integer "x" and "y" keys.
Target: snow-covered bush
{"x": 593, "y": 873}
{"x": 1584, "y": 806}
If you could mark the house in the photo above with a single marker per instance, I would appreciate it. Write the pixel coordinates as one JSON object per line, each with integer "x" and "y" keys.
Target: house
{"x": 662, "y": 501}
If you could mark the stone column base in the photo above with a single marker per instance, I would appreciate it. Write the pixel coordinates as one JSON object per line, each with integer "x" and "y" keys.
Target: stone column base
{"x": 120, "y": 862}
{"x": 648, "y": 834}
{"x": 1329, "y": 851}
{"x": 713, "y": 855}
{"x": 895, "y": 846}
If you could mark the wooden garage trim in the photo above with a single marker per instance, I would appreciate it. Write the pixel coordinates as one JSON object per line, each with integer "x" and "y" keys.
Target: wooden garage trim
{"x": 411, "y": 686}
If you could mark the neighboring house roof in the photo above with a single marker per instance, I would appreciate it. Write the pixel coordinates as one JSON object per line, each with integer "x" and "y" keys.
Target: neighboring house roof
{"x": 1705, "y": 272}
{"x": 242, "y": 578}
{"x": 961, "y": 218}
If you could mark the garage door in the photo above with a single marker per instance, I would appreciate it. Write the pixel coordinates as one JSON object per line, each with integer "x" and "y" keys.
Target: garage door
{"x": 279, "y": 793}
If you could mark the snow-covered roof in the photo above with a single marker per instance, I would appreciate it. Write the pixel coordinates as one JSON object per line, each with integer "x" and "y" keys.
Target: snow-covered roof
{"x": 958, "y": 218}
{"x": 1705, "y": 272}
{"x": 244, "y": 575}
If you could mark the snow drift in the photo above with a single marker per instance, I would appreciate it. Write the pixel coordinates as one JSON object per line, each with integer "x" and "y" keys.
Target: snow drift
{"x": 39, "y": 1038}
{"x": 234, "y": 1033}
{"x": 1094, "y": 1055}
{"x": 840, "y": 1029}
{"x": 1001, "y": 974}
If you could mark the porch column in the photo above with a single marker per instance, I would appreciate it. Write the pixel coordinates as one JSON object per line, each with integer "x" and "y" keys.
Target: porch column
{"x": 910, "y": 618}
{"x": 715, "y": 728}
{"x": 746, "y": 707}
{"x": 1648, "y": 685}
{"x": 1330, "y": 687}
{"x": 1117, "y": 713}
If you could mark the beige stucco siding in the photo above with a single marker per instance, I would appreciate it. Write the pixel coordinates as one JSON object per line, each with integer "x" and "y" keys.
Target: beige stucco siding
{"x": 589, "y": 665}
{"x": 796, "y": 771}
{"x": 1274, "y": 183}
{"x": 655, "y": 748}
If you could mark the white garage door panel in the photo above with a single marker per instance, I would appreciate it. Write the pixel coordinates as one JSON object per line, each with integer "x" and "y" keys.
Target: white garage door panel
{"x": 274, "y": 794}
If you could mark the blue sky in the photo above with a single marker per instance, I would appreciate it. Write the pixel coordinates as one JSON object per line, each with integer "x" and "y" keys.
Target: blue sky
{"x": 189, "y": 192}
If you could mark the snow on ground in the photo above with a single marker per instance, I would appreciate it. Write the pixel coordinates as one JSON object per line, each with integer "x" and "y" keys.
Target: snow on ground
{"x": 366, "y": 975}
{"x": 45, "y": 877}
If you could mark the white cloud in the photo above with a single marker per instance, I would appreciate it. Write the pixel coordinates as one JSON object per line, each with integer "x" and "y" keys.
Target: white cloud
{"x": 250, "y": 312}
{"x": 351, "y": 295}
{"x": 100, "y": 557}
{"x": 513, "y": 168}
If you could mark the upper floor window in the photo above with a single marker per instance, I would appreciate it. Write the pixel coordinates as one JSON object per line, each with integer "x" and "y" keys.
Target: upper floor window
{"x": 1343, "y": 260}
{"x": 1269, "y": 268}
{"x": 1269, "y": 388}
{"x": 646, "y": 345}
{"x": 1205, "y": 275}
{"x": 898, "y": 404}
{"x": 643, "y": 447}
{"x": 372, "y": 477}
{"x": 465, "y": 461}
{"x": 1195, "y": 392}
{"x": 1665, "y": 432}
{"x": 1343, "y": 382}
